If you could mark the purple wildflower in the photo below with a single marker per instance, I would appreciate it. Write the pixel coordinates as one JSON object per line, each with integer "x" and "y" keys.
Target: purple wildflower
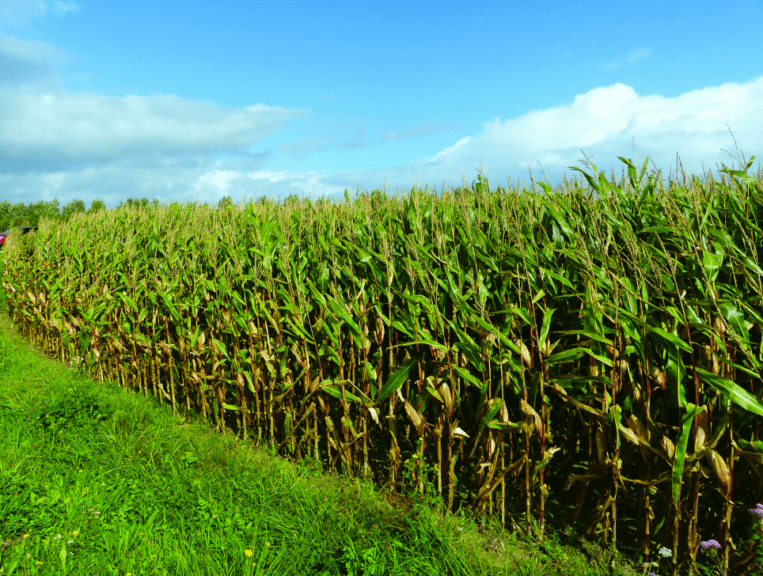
{"x": 710, "y": 544}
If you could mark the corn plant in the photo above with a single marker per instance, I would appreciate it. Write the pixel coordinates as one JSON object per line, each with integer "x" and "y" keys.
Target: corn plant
{"x": 530, "y": 350}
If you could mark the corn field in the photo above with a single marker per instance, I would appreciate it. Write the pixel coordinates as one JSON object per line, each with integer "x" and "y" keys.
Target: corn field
{"x": 592, "y": 359}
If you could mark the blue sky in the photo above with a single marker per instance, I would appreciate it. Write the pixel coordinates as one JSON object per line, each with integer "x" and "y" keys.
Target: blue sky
{"x": 192, "y": 101}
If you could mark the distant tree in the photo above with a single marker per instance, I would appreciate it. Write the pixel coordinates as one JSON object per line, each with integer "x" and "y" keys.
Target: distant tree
{"x": 15, "y": 223}
{"x": 42, "y": 209}
{"x": 96, "y": 206}
{"x": 12, "y": 215}
{"x": 72, "y": 208}
{"x": 139, "y": 203}
{"x": 33, "y": 212}
{"x": 225, "y": 201}
{"x": 5, "y": 214}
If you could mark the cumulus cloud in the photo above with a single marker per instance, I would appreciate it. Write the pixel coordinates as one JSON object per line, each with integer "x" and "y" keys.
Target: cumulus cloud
{"x": 606, "y": 120}
{"x": 89, "y": 126}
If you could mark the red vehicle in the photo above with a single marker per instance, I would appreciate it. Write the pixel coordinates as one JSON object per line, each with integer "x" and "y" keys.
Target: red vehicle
{"x": 23, "y": 229}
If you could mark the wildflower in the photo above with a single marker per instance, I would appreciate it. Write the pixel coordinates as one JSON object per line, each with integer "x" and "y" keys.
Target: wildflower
{"x": 708, "y": 545}
{"x": 665, "y": 553}
{"x": 757, "y": 511}
{"x": 249, "y": 553}
{"x": 711, "y": 546}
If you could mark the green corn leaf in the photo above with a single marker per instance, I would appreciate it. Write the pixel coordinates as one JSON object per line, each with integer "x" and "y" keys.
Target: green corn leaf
{"x": 395, "y": 382}
{"x": 734, "y": 392}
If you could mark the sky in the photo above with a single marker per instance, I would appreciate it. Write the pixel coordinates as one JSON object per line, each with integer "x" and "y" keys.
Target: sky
{"x": 193, "y": 101}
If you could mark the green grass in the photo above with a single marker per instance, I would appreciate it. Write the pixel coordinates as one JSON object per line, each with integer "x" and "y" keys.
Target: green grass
{"x": 96, "y": 480}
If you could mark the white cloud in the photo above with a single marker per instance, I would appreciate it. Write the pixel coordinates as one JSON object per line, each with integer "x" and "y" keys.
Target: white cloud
{"x": 19, "y": 12}
{"x": 271, "y": 176}
{"x": 13, "y": 48}
{"x": 694, "y": 125}
{"x": 458, "y": 148}
{"x": 90, "y": 126}
{"x": 215, "y": 183}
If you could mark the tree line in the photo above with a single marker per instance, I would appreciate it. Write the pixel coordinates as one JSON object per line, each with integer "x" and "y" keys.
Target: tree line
{"x": 20, "y": 214}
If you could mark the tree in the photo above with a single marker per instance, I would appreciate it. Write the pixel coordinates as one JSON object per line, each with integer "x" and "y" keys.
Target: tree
{"x": 224, "y": 202}
{"x": 72, "y": 208}
{"x": 12, "y": 215}
{"x": 291, "y": 198}
{"x": 139, "y": 203}
{"x": 96, "y": 206}
{"x": 40, "y": 210}
{"x": 5, "y": 214}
